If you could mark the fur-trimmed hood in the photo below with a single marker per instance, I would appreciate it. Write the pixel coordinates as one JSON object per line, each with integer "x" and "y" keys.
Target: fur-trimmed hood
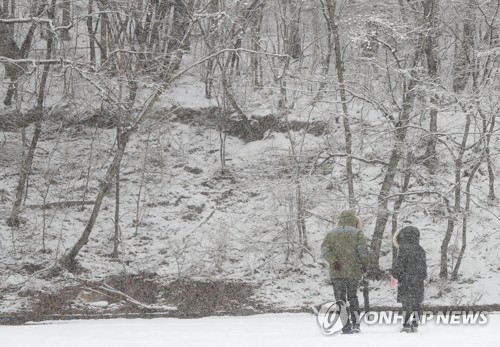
{"x": 349, "y": 218}
{"x": 407, "y": 235}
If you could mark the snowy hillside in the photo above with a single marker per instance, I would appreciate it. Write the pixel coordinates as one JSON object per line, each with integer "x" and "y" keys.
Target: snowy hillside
{"x": 189, "y": 157}
{"x": 196, "y": 222}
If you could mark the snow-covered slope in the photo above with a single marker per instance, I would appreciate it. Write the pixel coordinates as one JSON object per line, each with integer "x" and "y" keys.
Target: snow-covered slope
{"x": 182, "y": 217}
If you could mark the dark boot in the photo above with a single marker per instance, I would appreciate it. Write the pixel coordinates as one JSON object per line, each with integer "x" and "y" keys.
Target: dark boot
{"x": 347, "y": 329}
{"x": 406, "y": 329}
{"x": 414, "y": 327}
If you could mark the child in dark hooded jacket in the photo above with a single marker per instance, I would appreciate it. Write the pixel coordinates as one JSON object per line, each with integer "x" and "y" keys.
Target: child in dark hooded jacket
{"x": 410, "y": 270}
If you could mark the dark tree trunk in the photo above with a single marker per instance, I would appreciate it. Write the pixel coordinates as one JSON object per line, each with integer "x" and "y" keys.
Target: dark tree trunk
{"x": 293, "y": 39}
{"x": 28, "y": 160}
{"x": 66, "y": 19}
{"x": 91, "y": 33}
{"x": 443, "y": 272}
{"x": 383, "y": 198}
{"x": 5, "y": 7}
{"x": 326, "y": 66}
{"x": 69, "y": 260}
{"x": 339, "y": 65}
{"x": 464, "y": 49}
{"x": 255, "y": 58}
{"x": 116, "y": 237}
{"x": 103, "y": 46}
{"x": 382, "y": 203}
{"x": 465, "y": 218}
{"x": 13, "y": 220}
{"x": 9, "y": 49}
{"x": 46, "y": 67}
{"x": 180, "y": 27}
{"x": 430, "y": 9}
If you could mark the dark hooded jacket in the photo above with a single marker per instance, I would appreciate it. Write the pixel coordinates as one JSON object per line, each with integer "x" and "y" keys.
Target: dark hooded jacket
{"x": 410, "y": 268}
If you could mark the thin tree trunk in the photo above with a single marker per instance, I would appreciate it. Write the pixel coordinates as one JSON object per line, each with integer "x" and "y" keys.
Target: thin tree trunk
{"x": 487, "y": 139}
{"x": 66, "y": 19}
{"x": 46, "y": 67}
{"x": 430, "y": 8}
{"x": 339, "y": 65}
{"x": 8, "y": 48}
{"x": 91, "y": 33}
{"x": 103, "y": 46}
{"x": 116, "y": 238}
{"x": 180, "y": 27}
{"x": 209, "y": 37}
{"x": 301, "y": 216}
{"x": 443, "y": 272}
{"x": 13, "y": 220}
{"x": 256, "y": 60}
{"x": 464, "y": 49}
{"x": 454, "y": 274}
{"x": 329, "y": 37}
{"x": 491, "y": 176}
{"x": 69, "y": 259}
{"x": 382, "y": 211}
{"x": 399, "y": 203}
{"x": 141, "y": 185}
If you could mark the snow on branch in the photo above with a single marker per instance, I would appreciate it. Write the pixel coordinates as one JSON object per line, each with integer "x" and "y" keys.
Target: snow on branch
{"x": 109, "y": 289}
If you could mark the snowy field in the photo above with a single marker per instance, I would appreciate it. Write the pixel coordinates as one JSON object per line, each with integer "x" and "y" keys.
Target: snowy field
{"x": 262, "y": 330}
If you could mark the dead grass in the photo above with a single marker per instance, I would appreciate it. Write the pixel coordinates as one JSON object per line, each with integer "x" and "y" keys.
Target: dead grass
{"x": 191, "y": 297}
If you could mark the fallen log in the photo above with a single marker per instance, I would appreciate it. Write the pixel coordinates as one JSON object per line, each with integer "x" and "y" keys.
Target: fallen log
{"x": 50, "y": 205}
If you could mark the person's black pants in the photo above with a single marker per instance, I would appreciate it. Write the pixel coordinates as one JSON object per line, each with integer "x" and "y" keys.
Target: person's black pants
{"x": 346, "y": 290}
{"x": 411, "y": 313}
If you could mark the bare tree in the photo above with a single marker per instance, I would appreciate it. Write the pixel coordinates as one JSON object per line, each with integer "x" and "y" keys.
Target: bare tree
{"x": 457, "y": 189}
{"x": 291, "y": 12}
{"x": 330, "y": 16}
{"x": 463, "y": 47}
{"x": 91, "y": 32}
{"x": 10, "y": 52}
{"x": 26, "y": 165}
{"x": 130, "y": 67}
{"x": 407, "y": 85}
{"x": 430, "y": 8}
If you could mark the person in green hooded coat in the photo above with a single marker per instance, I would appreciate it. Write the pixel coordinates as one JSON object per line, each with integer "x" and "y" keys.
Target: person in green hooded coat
{"x": 345, "y": 249}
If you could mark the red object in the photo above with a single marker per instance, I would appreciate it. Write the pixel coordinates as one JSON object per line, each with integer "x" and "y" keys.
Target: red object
{"x": 337, "y": 266}
{"x": 394, "y": 282}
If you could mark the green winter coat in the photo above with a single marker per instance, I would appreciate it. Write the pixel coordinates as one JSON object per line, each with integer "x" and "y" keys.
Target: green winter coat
{"x": 345, "y": 248}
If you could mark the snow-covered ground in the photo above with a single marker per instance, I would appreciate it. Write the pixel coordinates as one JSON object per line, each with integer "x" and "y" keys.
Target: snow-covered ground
{"x": 263, "y": 330}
